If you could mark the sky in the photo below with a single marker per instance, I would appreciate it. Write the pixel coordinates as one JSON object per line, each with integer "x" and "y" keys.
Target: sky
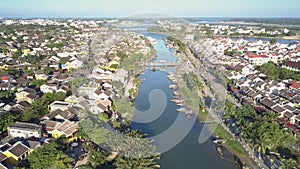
{"x": 125, "y": 8}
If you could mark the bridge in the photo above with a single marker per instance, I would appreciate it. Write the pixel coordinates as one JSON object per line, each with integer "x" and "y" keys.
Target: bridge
{"x": 161, "y": 64}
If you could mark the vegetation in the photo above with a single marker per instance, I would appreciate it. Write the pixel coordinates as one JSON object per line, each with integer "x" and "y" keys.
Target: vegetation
{"x": 40, "y": 107}
{"x": 156, "y": 29}
{"x": 7, "y": 94}
{"x": 48, "y": 156}
{"x": 37, "y": 82}
{"x": 131, "y": 63}
{"x": 123, "y": 106}
{"x": 176, "y": 42}
{"x": 261, "y": 131}
{"x": 6, "y": 120}
{"x": 273, "y": 72}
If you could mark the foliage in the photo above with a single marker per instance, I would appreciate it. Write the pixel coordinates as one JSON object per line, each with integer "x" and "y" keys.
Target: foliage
{"x": 121, "y": 55}
{"x": 49, "y": 156}
{"x": 176, "y": 42}
{"x": 77, "y": 82}
{"x": 63, "y": 61}
{"x": 98, "y": 157}
{"x": 232, "y": 52}
{"x": 33, "y": 59}
{"x": 40, "y": 107}
{"x": 119, "y": 86}
{"x": 37, "y": 82}
{"x": 131, "y": 63}
{"x": 260, "y": 132}
{"x": 123, "y": 106}
{"x": 49, "y": 70}
{"x": 6, "y": 120}
{"x": 93, "y": 129}
{"x": 135, "y": 151}
{"x": 192, "y": 81}
{"x": 7, "y": 94}
{"x": 275, "y": 73}
{"x": 103, "y": 117}
{"x": 156, "y": 29}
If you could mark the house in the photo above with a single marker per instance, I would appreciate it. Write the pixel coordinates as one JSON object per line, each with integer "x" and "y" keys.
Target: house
{"x": 257, "y": 60}
{"x": 15, "y": 153}
{"x": 24, "y": 130}
{"x": 48, "y": 88}
{"x": 291, "y": 65}
{"x": 5, "y": 78}
{"x": 27, "y": 96}
{"x": 57, "y": 129}
{"x": 69, "y": 114}
{"x": 39, "y": 75}
{"x": 3, "y": 66}
{"x": 59, "y": 105}
{"x": 6, "y": 86}
{"x": 73, "y": 63}
{"x": 3, "y": 159}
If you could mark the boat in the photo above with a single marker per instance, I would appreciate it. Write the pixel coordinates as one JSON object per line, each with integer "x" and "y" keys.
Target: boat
{"x": 173, "y": 86}
{"x": 219, "y": 140}
{"x": 219, "y": 150}
{"x": 181, "y": 110}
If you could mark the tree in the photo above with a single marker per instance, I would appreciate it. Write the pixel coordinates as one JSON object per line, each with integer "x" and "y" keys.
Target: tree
{"x": 49, "y": 70}
{"x": 270, "y": 69}
{"x": 49, "y": 156}
{"x": 98, "y": 158}
{"x": 6, "y": 120}
{"x": 37, "y": 82}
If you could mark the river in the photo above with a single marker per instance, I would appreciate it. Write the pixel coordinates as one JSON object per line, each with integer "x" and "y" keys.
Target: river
{"x": 188, "y": 153}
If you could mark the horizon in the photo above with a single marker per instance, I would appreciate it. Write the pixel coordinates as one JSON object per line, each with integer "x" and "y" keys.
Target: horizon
{"x": 176, "y": 8}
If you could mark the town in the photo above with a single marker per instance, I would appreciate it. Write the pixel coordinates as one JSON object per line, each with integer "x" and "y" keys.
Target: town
{"x": 67, "y": 86}
{"x": 56, "y": 73}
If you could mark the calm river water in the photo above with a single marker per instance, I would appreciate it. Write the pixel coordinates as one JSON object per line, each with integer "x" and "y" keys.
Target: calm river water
{"x": 188, "y": 153}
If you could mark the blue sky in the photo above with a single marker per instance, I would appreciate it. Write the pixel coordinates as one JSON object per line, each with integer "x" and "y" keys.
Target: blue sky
{"x": 123, "y": 8}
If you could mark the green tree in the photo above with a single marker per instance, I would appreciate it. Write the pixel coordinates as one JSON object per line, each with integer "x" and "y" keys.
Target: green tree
{"x": 98, "y": 158}
{"x": 37, "y": 82}
{"x": 6, "y": 120}
{"x": 48, "y": 156}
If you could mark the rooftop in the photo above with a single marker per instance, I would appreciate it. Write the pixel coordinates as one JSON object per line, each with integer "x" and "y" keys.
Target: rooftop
{"x": 26, "y": 126}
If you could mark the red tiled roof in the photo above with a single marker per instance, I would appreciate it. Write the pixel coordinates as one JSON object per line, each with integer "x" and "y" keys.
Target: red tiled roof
{"x": 292, "y": 64}
{"x": 257, "y": 56}
{"x": 4, "y": 78}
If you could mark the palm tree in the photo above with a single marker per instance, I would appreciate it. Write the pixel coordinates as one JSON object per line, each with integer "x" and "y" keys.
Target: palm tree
{"x": 98, "y": 158}
{"x": 289, "y": 164}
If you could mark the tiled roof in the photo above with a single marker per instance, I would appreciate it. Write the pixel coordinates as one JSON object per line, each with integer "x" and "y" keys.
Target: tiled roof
{"x": 18, "y": 149}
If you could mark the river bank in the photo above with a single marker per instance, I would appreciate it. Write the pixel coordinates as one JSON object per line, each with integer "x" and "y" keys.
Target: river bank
{"x": 217, "y": 129}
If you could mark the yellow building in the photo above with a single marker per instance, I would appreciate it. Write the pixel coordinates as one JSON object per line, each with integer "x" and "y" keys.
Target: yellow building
{"x": 58, "y": 129}
{"x": 3, "y": 66}
{"x": 26, "y": 51}
{"x": 16, "y": 153}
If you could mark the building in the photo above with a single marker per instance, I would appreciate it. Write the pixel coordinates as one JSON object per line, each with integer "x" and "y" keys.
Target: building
{"x": 293, "y": 66}
{"x": 25, "y": 130}
{"x": 15, "y": 153}
{"x": 257, "y": 60}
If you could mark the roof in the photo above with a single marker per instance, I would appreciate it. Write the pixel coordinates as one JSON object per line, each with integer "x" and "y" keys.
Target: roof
{"x": 288, "y": 114}
{"x": 18, "y": 149}
{"x": 267, "y": 102}
{"x": 257, "y": 56}
{"x": 292, "y": 64}
{"x": 26, "y": 126}
{"x": 278, "y": 109}
{"x": 2, "y": 166}
{"x": 31, "y": 144}
{"x": 68, "y": 127}
{"x": 2, "y": 157}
